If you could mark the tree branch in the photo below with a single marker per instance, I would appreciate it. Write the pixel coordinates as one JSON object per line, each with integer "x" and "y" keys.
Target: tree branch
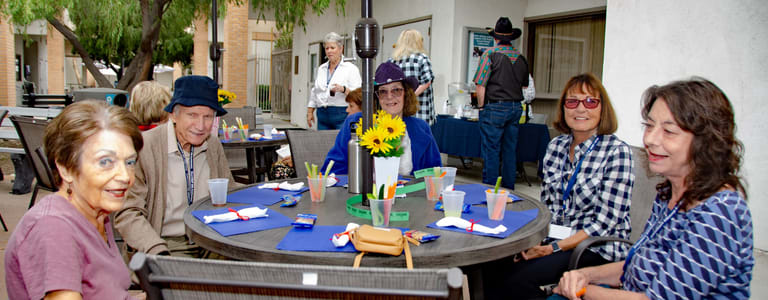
{"x": 101, "y": 80}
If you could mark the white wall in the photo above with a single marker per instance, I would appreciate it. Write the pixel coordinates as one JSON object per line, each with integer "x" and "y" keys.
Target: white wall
{"x": 657, "y": 41}
{"x": 552, "y": 7}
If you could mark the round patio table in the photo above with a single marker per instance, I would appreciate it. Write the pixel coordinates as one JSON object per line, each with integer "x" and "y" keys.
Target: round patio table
{"x": 257, "y": 152}
{"x": 452, "y": 249}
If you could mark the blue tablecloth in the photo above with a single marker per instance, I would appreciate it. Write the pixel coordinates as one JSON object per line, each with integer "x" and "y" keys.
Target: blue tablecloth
{"x": 462, "y": 138}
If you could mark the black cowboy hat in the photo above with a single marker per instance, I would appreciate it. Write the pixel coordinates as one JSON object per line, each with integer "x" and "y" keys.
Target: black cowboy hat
{"x": 504, "y": 30}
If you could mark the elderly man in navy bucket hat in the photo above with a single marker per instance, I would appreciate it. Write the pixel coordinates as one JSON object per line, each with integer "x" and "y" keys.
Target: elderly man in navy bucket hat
{"x": 173, "y": 170}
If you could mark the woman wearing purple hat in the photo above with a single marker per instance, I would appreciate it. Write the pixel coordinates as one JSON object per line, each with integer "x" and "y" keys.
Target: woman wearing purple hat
{"x": 395, "y": 95}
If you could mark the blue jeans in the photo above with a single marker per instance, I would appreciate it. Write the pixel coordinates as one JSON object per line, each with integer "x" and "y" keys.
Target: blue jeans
{"x": 498, "y": 130}
{"x": 331, "y": 117}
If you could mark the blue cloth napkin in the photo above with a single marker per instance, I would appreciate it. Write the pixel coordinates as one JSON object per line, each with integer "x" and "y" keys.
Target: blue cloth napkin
{"x": 255, "y": 195}
{"x": 315, "y": 239}
{"x": 343, "y": 180}
{"x": 514, "y": 220}
{"x": 475, "y": 193}
{"x": 274, "y": 219}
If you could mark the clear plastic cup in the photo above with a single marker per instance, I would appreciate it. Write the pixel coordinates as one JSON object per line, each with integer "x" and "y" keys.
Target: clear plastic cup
{"x": 497, "y": 203}
{"x": 316, "y": 188}
{"x": 434, "y": 186}
{"x": 449, "y": 178}
{"x": 245, "y": 134}
{"x": 218, "y": 189}
{"x": 380, "y": 210}
{"x": 268, "y": 131}
{"x": 453, "y": 202}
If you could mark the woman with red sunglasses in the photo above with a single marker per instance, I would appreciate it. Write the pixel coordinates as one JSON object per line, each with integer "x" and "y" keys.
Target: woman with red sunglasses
{"x": 587, "y": 187}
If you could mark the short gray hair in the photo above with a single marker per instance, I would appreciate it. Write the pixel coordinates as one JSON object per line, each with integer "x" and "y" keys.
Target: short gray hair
{"x": 334, "y": 37}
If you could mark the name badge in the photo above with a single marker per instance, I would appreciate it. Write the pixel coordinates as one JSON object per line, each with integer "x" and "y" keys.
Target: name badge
{"x": 559, "y": 232}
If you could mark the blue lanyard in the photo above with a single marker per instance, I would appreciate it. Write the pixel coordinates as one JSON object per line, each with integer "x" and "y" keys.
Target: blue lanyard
{"x": 189, "y": 171}
{"x": 572, "y": 180}
{"x": 328, "y": 75}
{"x": 646, "y": 237}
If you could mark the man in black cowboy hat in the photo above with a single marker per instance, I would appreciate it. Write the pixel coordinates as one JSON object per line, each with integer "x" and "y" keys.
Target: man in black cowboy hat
{"x": 501, "y": 75}
{"x": 173, "y": 170}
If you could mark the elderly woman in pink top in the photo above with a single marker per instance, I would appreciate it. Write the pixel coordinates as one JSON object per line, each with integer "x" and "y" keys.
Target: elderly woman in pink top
{"x": 63, "y": 248}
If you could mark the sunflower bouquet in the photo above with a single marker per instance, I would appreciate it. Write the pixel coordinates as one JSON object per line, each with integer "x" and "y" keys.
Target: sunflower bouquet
{"x": 226, "y": 97}
{"x": 383, "y": 139}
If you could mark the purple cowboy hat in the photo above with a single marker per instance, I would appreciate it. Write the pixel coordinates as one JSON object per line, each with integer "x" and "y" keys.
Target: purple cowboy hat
{"x": 389, "y": 72}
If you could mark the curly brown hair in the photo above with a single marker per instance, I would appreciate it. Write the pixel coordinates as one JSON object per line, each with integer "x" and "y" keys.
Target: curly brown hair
{"x": 410, "y": 101}
{"x": 701, "y": 108}
{"x": 66, "y": 133}
{"x": 588, "y": 82}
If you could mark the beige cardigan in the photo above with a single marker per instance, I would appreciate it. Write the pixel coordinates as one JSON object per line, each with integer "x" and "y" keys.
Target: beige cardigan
{"x": 141, "y": 219}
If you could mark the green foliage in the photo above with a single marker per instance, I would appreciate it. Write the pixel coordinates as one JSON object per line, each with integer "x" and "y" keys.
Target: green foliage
{"x": 289, "y": 13}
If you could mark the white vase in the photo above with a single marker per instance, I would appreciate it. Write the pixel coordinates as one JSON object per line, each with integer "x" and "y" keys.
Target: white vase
{"x": 385, "y": 168}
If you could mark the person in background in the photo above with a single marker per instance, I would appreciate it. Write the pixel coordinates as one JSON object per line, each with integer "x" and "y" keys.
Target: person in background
{"x": 501, "y": 75}
{"x": 173, "y": 171}
{"x": 698, "y": 241}
{"x": 354, "y": 101}
{"x": 410, "y": 55}
{"x": 395, "y": 95}
{"x": 148, "y": 98}
{"x": 64, "y": 247}
{"x": 335, "y": 79}
{"x": 587, "y": 188}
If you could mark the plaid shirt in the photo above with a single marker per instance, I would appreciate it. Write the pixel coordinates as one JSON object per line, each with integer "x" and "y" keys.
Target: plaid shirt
{"x": 600, "y": 198}
{"x": 419, "y": 66}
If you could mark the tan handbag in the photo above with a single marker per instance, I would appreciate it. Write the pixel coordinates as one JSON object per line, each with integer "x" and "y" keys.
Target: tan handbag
{"x": 390, "y": 241}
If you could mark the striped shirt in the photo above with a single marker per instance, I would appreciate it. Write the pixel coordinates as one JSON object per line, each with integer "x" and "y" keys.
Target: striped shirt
{"x": 703, "y": 253}
{"x": 418, "y": 65}
{"x": 600, "y": 200}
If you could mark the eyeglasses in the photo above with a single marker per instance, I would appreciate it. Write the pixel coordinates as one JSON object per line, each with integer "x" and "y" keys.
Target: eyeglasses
{"x": 589, "y": 103}
{"x": 396, "y": 92}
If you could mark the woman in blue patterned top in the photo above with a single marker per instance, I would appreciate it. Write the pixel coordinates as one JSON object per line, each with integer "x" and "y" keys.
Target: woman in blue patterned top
{"x": 410, "y": 55}
{"x": 697, "y": 243}
{"x": 594, "y": 203}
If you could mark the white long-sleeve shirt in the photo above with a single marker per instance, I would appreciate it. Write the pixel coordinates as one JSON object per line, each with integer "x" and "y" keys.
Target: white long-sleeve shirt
{"x": 346, "y": 74}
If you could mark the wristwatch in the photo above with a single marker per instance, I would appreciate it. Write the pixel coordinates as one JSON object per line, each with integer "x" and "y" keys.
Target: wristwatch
{"x": 555, "y": 247}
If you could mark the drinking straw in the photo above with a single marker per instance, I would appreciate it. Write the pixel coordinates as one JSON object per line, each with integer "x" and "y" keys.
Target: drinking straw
{"x": 309, "y": 170}
{"x": 314, "y": 170}
{"x": 225, "y": 124}
{"x": 498, "y": 183}
{"x": 444, "y": 172}
{"x": 328, "y": 168}
{"x": 499, "y": 206}
{"x": 581, "y": 292}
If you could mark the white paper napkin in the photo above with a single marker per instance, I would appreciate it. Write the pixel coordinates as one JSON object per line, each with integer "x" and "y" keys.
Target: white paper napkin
{"x": 464, "y": 224}
{"x": 256, "y": 136}
{"x": 341, "y": 240}
{"x": 283, "y": 186}
{"x": 251, "y": 212}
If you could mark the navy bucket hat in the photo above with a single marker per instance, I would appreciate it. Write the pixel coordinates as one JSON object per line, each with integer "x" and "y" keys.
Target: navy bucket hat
{"x": 194, "y": 90}
{"x": 389, "y": 72}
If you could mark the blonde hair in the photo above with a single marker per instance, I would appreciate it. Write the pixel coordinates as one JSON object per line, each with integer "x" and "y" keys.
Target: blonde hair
{"x": 148, "y": 99}
{"x": 409, "y": 42}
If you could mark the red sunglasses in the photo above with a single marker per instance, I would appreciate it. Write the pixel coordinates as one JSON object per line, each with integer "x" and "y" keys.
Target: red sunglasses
{"x": 589, "y": 103}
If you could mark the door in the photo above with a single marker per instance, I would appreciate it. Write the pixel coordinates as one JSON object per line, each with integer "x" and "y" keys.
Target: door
{"x": 390, "y": 33}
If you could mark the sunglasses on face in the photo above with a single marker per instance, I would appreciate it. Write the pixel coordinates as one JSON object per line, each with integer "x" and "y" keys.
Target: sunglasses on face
{"x": 396, "y": 92}
{"x": 589, "y": 103}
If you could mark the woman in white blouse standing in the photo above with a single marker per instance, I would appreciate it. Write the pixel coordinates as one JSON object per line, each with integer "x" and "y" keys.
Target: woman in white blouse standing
{"x": 335, "y": 79}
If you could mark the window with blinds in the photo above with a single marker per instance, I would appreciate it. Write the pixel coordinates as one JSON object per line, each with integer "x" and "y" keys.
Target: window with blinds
{"x": 564, "y": 47}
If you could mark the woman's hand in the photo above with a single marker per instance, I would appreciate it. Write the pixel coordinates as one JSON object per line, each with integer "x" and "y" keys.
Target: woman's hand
{"x": 337, "y": 88}
{"x": 571, "y": 283}
{"x": 537, "y": 251}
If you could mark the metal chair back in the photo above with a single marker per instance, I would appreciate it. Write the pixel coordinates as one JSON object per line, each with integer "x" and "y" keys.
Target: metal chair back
{"x": 31, "y": 132}
{"x": 166, "y": 277}
{"x": 310, "y": 146}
